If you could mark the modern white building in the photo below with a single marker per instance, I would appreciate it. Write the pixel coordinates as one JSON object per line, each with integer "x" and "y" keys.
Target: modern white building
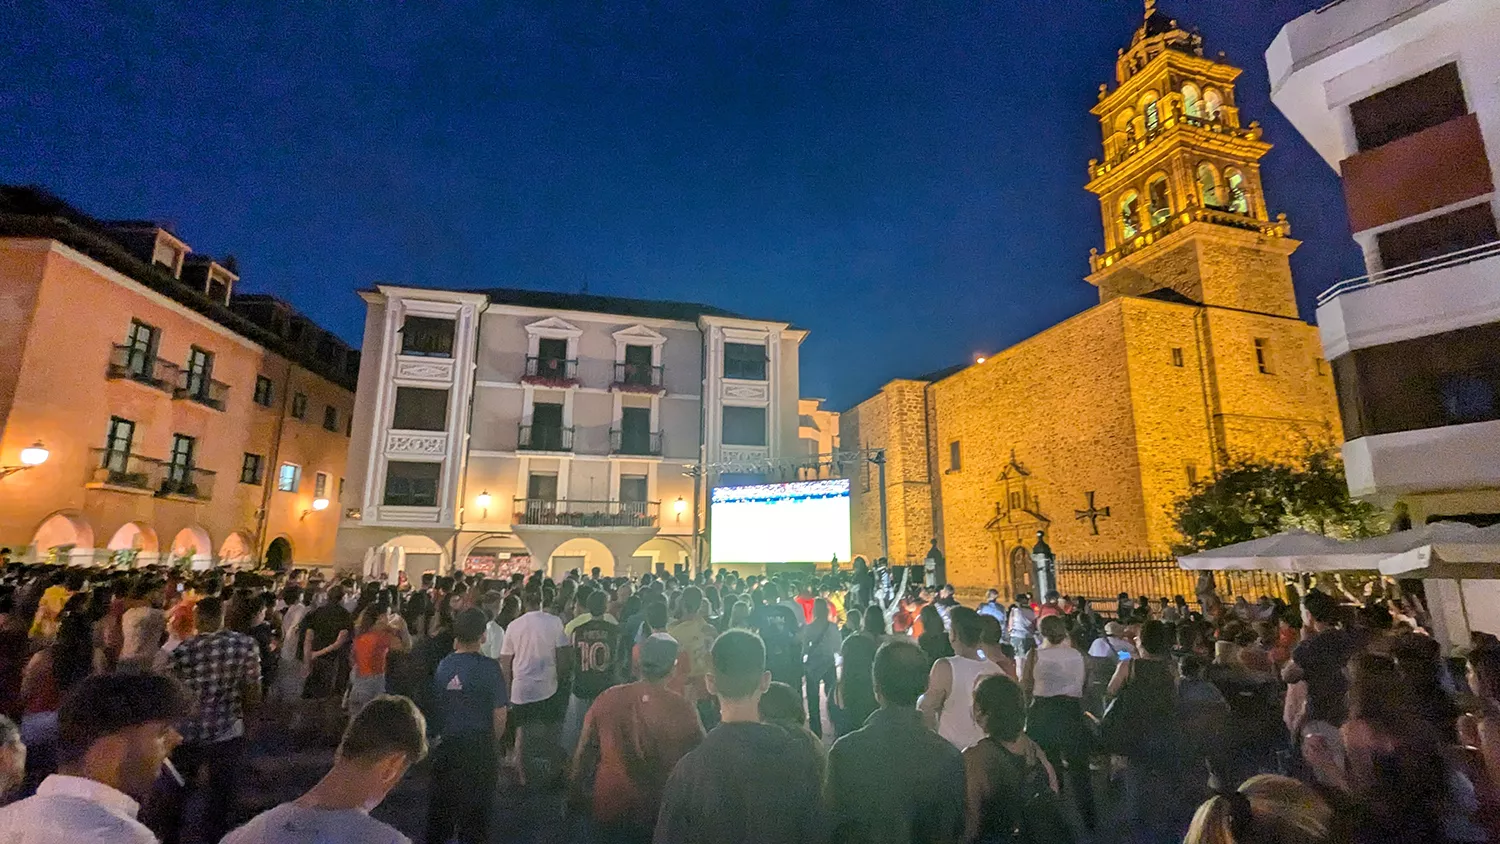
{"x": 519, "y": 430}
{"x": 1402, "y": 98}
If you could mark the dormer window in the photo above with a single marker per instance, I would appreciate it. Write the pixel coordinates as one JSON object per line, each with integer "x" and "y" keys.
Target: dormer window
{"x": 219, "y": 286}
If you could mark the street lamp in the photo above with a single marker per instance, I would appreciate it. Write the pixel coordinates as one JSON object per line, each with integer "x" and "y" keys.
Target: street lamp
{"x": 32, "y": 456}
{"x": 318, "y": 505}
{"x": 679, "y": 507}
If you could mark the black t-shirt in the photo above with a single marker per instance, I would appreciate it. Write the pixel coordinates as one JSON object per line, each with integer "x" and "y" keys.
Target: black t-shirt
{"x": 595, "y": 644}
{"x": 1323, "y": 659}
{"x": 778, "y": 631}
{"x": 745, "y": 783}
{"x": 326, "y": 622}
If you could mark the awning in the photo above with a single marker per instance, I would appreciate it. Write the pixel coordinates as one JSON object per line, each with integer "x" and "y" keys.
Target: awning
{"x": 1447, "y": 550}
{"x": 1291, "y": 552}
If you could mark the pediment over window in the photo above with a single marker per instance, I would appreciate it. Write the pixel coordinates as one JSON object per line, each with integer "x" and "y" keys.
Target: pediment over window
{"x": 553, "y": 327}
{"x": 639, "y": 335}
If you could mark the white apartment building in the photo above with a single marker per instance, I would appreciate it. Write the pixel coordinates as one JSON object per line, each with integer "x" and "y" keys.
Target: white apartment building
{"x": 1402, "y": 98}
{"x": 511, "y": 430}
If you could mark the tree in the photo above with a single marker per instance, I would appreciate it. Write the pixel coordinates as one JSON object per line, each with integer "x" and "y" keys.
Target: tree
{"x": 1253, "y": 497}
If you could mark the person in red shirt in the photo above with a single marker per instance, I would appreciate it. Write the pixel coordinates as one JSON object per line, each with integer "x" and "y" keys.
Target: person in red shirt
{"x": 632, "y": 737}
{"x": 805, "y": 600}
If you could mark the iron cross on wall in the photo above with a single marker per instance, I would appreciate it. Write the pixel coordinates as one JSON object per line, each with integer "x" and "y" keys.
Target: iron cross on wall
{"x": 1093, "y": 514}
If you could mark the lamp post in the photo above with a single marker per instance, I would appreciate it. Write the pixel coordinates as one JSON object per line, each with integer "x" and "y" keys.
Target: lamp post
{"x": 1043, "y": 566}
{"x": 32, "y": 456}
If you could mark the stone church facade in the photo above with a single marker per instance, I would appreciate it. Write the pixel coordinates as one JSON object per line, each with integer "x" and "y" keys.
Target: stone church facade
{"x": 1092, "y": 429}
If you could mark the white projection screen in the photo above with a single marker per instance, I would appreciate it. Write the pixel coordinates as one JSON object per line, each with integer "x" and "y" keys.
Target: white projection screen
{"x": 801, "y": 522}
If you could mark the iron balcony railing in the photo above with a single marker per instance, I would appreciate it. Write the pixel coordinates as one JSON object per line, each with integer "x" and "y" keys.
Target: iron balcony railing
{"x": 1197, "y": 214}
{"x": 551, "y": 370}
{"x": 1415, "y": 268}
{"x": 187, "y": 482}
{"x": 1131, "y": 142}
{"x": 586, "y": 514}
{"x": 195, "y": 386}
{"x": 640, "y": 376}
{"x": 545, "y": 438}
{"x": 646, "y": 443}
{"x": 137, "y": 364}
{"x": 113, "y": 467}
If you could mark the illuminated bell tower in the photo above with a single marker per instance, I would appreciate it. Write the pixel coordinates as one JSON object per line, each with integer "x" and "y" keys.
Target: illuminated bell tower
{"x": 1179, "y": 186}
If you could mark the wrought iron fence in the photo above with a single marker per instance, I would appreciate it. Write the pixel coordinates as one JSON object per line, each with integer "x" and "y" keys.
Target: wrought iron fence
{"x": 630, "y": 441}
{"x": 550, "y": 370}
{"x": 1102, "y": 577}
{"x": 639, "y": 375}
{"x": 545, "y": 438}
{"x": 585, "y": 514}
{"x": 140, "y": 365}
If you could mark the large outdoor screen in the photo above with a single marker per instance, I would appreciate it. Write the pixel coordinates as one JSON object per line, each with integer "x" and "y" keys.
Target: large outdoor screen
{"x": 802, "y": 522}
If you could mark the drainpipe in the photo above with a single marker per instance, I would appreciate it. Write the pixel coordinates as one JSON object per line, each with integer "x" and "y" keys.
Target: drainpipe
{"x": 262, "y": 524}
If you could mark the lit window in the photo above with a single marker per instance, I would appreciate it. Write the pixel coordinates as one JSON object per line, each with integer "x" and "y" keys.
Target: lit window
{"x": 427, "y": 337}
{"x": 289, "y": 477}
{"x": 1238, "y": 202}
{"x": 1130, "y": 214}
{"x": 1208, "y": 184}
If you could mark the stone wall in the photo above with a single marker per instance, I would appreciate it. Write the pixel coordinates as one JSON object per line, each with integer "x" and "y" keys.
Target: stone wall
{"x": 894, "y": 419}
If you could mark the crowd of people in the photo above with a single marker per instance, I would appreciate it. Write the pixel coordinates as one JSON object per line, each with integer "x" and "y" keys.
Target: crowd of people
{"x": 721, "y": 708}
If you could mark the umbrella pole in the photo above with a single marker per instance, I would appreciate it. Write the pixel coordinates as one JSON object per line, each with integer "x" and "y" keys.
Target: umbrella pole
{"x": 1463, "y": 606}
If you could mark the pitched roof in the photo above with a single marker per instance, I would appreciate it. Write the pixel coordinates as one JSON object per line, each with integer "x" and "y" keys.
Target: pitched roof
{"x": 593, "y": 303}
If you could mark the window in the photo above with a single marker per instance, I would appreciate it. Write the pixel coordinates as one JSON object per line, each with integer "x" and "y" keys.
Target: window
{"x": 1467, "y": 398}
{"x": 955, "y": 457}
{"x": 1212, "y": 104}
{"x": 1239, "y": 203}
{"x": 141, "y": 344}
{"x": 637, "y": 367}
{"x": 331, "y": 418}
{"x": 180, "y": 467}
{"x": 420, "y": 410}
{"x": 1130, "y": 214}
{"x": 341, "y": 489}
{"x": 1160, "y": 199}
{"x": 1152, "y": 119}
{"x": 430, "y": 337}
{"x": 1435, "y": 236}
{"x": 1208, "y": 185}
{"x": 250, "y": 469}
{"x": 299, "y": 405}
{"x": 265, "y": 391}
{"x": 117, "y": 442}
{"x": 1263, "y": 355}
{"x": 552, "y": 348}
{"x": 541, "y": 487}
{"x": 289, "y": 478}
{"x": 200, "y": 371}
{"x": 1192, "y": 101}
{"x": 635, "y": 430}
{"x": 411, "y": 484}
{"x": 746, "y": 361}
{"x": 744, "y": 426}
{"x": 320, "y": 485}
{"x": 633, "y": 489}
{"x": 1177, "y": 356}
{"x": 1428, "y": 100}
{"x": 1192, "y": 473}
{"x": 218, "y": 290}
{"x": 1015, "y": 501}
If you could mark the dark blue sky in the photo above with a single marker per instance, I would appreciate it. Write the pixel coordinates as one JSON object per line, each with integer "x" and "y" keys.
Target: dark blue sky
{"x": 904, "y": 179}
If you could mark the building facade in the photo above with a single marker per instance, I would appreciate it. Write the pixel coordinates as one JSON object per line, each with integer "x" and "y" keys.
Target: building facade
{"x": 184, "y": 422}
{"x": 1400, "y": 98}
{"x": 514, "y": 430}
{"x": 1090, "y": 432}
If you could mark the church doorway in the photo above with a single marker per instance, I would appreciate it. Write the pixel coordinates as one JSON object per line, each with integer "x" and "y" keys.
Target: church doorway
{"x": 1020, "y": 570}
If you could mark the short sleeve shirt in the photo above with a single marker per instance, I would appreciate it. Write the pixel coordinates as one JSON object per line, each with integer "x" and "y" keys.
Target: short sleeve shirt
{"x": 533, "y": 639}
{"x": 326, "y": 622}
{"x": 595, "y": 643}
{"x": 469, "y": 688}
{"x": 216, "y": 668}
{"x": 293, "y": 824}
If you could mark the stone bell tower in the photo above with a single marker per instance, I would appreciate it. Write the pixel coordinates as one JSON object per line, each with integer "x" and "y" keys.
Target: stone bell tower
{"x": 1179, "y": 185}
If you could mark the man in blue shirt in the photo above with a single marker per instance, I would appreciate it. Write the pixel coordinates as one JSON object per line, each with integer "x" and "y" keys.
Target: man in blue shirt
{"x": 471, "y": 709}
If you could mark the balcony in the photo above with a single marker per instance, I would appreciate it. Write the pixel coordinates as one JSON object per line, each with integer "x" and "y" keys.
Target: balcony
{"x": 1437, "y": 167}
{"x": 136, "y": 364}
{"x": 112, "y": 469}
{"x": 203, "y": 390}
{"x": 1447, "y": 293}
{"x": 186, "y": 482}
{"x": 545, "y": 438}
{"x": 638, "y": 378}
{"x": 586, "y": 514}
{"x": 1212, "y": 215}
{"x": 642, "y": 443}
{"x": 550, "y": 372}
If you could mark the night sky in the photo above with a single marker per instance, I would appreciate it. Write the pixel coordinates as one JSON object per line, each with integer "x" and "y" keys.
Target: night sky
{"x": 903, "y": 179}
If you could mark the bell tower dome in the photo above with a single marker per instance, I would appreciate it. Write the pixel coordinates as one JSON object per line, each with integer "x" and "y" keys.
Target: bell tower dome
{"x": 1179, "y": 185}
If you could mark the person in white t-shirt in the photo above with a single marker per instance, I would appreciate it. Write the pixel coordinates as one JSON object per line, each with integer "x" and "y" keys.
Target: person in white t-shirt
{"x": 494, "y": 634}
{"x": 534, "y": 656}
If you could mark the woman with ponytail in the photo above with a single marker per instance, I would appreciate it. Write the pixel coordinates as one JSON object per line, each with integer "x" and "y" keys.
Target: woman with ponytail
{"x": 1267, "y": 808}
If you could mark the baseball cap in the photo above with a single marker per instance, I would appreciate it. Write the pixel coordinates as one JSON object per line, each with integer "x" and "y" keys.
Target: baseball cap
{"x": 1114, "y": 628}
{"x": 658, "y": 653}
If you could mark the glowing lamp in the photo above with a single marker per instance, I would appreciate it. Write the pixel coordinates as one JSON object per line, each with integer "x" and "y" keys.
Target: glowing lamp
{"x": 979, "y": 360}
{"x": 34, "y": 455}
{"x": 320, "y": 504}
{"x": 483, "y": 500}
{"x": 680, "y": 506}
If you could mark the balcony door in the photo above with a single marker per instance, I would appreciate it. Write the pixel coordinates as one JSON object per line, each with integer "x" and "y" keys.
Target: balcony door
{"x": 180, "y": 469}
{"x": 541, "y": 498}
{"x": 200, "y": 370}
{"x": 633, "y": 495}
{"x": 140, "y": 345}
{"x": 638, "y": 365}
{"x": 635, "y": 430}
{"x": 117, "y": 445}
{"x": 547, "y": 427}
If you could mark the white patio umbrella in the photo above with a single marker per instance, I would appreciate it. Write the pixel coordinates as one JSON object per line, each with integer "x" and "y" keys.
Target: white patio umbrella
{"x": 1447, "y": 550}
{"x": 1290, "y": 552}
